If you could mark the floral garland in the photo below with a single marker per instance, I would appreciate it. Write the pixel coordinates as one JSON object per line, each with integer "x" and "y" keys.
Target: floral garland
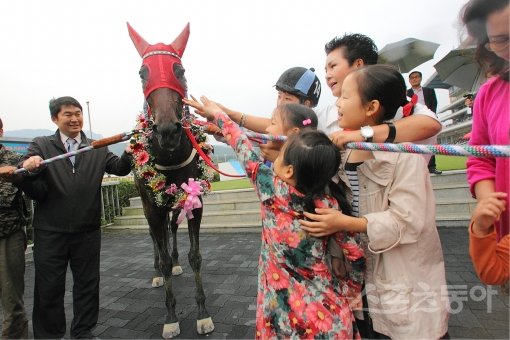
{"x": 166, "y": 195}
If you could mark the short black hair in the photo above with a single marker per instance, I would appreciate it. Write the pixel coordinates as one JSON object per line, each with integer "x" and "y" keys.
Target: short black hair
{"x": 56, "y": 104}
{"x": 355, "y": 46}
{"x": 410, "y": 74}
{"x": 1, "y": 124}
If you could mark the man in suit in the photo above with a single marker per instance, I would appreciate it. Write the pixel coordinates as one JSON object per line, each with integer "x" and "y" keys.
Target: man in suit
{"x": 427, "y": 97}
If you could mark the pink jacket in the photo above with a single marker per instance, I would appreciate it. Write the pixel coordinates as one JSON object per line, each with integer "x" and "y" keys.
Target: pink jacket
{"x": 491, "y": 125}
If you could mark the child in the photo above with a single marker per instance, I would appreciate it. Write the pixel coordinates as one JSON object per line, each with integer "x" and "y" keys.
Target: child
{"x": 297, "y": 295}
{"x": 405, "y": 278}
{"x": 288, "y": 119}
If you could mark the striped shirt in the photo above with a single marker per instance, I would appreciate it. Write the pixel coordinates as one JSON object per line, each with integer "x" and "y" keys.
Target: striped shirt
{"x": 352, "y": 176}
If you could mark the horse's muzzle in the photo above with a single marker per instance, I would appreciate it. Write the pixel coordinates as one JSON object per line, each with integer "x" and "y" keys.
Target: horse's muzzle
{"x": 168, "y": 136}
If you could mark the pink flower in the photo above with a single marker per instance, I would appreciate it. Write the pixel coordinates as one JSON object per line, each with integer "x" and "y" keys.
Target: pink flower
{"x": 276, "y": 278}
{"x": 297, "y": 304}
{"x": 319, "y": 316}
{"x": 321, "y": 270}
{"x": 172, "y": 189}
{"x": 291, "y": 239}
{"x": 284, "y": 220}
{"x": 143, "y": 157}
{"x": 352, "y": 251}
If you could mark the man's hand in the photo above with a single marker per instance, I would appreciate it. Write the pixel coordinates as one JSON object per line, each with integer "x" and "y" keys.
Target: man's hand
{"x": 342, "y": 137}
{"x": 7, "y": 173}
{"x": 128, "y": 149}
{"x": 33, "y": 164}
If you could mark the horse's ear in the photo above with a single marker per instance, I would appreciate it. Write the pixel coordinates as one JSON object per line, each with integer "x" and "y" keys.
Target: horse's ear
{"x": 179, "y": 44}
{"x": 140, "y": 43}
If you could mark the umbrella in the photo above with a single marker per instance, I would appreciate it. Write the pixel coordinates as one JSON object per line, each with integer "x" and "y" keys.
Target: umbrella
{"x": 459, "y": 68}
{"x": 436, "y": 83}
{"x": 408, "y": 53}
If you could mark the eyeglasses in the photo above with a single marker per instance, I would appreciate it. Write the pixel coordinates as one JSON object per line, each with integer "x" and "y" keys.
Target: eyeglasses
{"x": 497, "y": 44}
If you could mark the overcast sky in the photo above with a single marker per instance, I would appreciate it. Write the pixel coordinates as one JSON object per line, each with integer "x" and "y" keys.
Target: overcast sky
{"x": 235, "y": 53}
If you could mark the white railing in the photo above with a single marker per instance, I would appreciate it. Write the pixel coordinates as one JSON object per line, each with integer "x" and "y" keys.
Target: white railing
{"x": 110, "y": 206}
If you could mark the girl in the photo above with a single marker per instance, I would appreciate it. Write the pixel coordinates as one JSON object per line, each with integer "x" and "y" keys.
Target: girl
{"x": 405, "y": 279}
{"x": 286, "y": 120}
{"x": 297, "y": 295}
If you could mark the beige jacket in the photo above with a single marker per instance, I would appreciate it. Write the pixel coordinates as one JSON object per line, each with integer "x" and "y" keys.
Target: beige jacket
{"x": 405, "y": 281}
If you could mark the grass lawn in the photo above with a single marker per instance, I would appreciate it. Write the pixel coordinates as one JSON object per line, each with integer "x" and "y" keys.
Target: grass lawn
{"x": 233, "y": 184}
{"x": 450, "y": 162}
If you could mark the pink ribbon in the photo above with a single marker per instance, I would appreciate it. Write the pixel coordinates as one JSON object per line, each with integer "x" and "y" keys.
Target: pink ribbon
{"x": 193, "y": 189}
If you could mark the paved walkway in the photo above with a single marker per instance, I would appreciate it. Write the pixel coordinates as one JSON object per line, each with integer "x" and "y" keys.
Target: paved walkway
{"x": 130, "y": 308}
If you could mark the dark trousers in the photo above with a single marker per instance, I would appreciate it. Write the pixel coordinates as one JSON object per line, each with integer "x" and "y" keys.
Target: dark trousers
{"x": 432, "y": 162}
{"x": 53, "y": 252}
{"x": 12, "y": 286}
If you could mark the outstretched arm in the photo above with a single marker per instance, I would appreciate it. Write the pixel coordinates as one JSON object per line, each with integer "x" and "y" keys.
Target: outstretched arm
{"x": 253, "y": 123}
{"x": 409, "y": 129}
{"x": 232, "y": 133}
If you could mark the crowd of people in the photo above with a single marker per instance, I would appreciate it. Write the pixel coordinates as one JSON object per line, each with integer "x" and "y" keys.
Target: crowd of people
{"x": 345, "y": 253}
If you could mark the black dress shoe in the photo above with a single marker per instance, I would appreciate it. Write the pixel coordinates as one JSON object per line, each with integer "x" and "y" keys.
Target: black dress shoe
{"x": 435, "y": 171}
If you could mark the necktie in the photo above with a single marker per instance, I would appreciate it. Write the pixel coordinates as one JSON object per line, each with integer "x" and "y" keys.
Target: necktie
{"x": 71, "y": 146}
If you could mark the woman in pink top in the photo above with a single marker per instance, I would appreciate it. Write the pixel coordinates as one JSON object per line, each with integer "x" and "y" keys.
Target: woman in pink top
{"x": 487, "y": 23}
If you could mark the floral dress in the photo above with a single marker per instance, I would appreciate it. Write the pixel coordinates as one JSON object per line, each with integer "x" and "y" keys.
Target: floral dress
{"x": 297, "y": 294}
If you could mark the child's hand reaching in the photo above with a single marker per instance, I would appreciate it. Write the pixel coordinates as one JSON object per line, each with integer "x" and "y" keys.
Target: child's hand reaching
{"x": 328, "y": 221}
{"x": 206, "y": 109}
{"x": 487, "y": 211}
{"x": 325, "y": 222}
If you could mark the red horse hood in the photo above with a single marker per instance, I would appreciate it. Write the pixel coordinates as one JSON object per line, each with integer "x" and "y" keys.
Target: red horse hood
{"x": 160, "y": 59}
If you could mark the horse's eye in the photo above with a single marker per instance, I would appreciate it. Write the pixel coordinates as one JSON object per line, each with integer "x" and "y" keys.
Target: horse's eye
{"x": 179, "y": 72}
{"x": 144, "y": 73}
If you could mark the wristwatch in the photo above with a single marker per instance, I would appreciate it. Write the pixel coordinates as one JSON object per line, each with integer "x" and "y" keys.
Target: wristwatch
{"x": 367, "y": 133}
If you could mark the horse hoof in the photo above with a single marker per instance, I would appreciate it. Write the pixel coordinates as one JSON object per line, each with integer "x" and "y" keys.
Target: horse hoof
{"x": 171, "y": 330}
{"x": 157, "y": 282}
{"x": 177, "y": 270}
{"x": 205, "y": 326}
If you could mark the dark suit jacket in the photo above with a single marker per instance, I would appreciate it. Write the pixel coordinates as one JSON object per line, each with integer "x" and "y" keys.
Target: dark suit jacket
{"x": 429, "y": 95}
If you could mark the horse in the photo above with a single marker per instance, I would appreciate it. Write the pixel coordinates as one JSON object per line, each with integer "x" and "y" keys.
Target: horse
{"x": 169, "y": 174}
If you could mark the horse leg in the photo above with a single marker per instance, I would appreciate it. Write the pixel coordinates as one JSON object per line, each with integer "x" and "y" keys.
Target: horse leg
{"x": 176, "y": 269}
{"x": 204, "y": 322}
{"x": 158, "y": 222}
{"x": 157, "y": 278}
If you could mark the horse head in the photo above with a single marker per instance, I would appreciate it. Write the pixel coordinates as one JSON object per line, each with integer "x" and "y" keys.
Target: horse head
{"x": 164, "y": 86}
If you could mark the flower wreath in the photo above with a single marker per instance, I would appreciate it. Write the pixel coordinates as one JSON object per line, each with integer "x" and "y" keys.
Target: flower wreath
{"x": 168, "y": 195}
